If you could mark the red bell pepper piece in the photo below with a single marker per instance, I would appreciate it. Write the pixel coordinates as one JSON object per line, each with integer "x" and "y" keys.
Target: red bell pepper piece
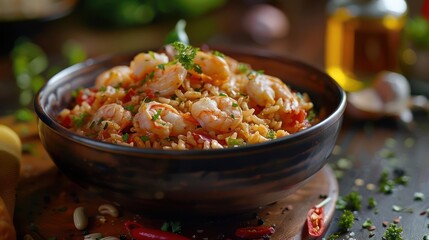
{"x": 315, "y": 219}
{"x": 138, "y": 232}
{"x": 254, "y": 232}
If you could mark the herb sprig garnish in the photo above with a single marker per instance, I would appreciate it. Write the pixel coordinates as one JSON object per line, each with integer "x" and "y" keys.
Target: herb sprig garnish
{"x": 186, "y": 55}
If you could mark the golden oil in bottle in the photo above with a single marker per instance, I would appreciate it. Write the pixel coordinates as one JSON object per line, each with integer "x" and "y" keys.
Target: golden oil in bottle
{"x": 363, "y": 37}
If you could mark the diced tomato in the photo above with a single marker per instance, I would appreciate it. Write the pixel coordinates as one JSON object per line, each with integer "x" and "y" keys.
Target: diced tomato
{"x": 66, "y": 121}
{"x": 131, "y": 93}
{"x": 290, "y": 120}
{"x": 85, "y": 96}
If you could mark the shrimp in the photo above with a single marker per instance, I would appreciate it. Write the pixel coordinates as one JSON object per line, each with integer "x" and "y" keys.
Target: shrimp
{"x": 220, "y": 114}
{"x": 164, "y": 82}
{"x": 215, "y": 69}
{"x": 111, "y": 113}
{"x": 265, "y": 90}
{"x": 163, "y": 120}
{"x": 115, "y": 77}
{"x": 145, "y": 63}
{"x": 158, "y": 78}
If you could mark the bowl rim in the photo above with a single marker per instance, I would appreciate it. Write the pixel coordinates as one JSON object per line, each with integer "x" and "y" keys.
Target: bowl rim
{"x": 111, "y": 147}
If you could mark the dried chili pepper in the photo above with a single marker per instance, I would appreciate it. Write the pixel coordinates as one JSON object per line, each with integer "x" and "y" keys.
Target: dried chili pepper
{"x": 315, "y": 219}
{"x": 254, "y": 232}
{"x": 138, "y": 232}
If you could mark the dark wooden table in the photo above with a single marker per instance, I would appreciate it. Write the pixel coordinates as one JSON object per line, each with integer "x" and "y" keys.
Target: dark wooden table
{"x": 367, "y": 149}
{"x": 364, "y": 149}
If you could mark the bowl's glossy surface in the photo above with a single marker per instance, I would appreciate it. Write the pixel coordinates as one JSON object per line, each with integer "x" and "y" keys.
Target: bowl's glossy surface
{"x": 195, "y": 181}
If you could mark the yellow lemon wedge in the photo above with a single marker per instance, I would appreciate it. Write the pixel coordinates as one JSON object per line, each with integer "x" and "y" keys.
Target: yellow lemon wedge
{"x": 10, "y": 158}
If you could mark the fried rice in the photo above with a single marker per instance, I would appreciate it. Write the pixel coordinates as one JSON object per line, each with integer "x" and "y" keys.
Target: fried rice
{"x": 186, "y": 98}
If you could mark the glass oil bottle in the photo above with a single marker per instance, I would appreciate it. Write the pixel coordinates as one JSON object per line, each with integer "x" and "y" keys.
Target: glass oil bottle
{"x": 363, "y": 37}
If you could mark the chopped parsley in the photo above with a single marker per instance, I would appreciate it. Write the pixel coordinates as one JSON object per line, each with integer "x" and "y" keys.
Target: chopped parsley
{"x": 232, "y": 116}
{"x": 333, "y": 236}
{"x": 145, "y": 138}
{"x": 311, "y": 115}
{"x": 79, "y": 120}
{"x": 148, "y": 77}
{"x": 372, "y": 203}
{"x": 393, "y": 232}
{"x": 186, "y": 55}
{"x": 129, "y": 108}
{"x": 102, "y": 89}
{"x": 156, "y": 115}
{"x": 386, "y": 185}
{"x": 352, "y": 202}
{"x": 106, "y": 125}
{"x": 75, "y": 92}
{"x": 367, "y": 223}
{"x": 243, "y": 68}
{"x": 161, "y": 66}
{"x": 257, "y": 72}
{"x": 235, "y": 142}
{"x": 234, "y": 104}
{"x": 125, "y": 137}
{"x": 271, "y": 134}
{"x": 223, "y": 95}
{"x": 219, "y": 54}
{"x": 347, "y": 220}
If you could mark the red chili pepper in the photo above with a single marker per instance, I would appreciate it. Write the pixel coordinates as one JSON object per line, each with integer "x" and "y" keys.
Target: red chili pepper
{"x": 138, "y": 232}
{"x": 254, "y": 232}
{"x": 315, "y": 219}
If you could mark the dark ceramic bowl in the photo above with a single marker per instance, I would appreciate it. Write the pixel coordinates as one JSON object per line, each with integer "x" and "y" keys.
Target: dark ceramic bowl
{"x": 194, "y": 181}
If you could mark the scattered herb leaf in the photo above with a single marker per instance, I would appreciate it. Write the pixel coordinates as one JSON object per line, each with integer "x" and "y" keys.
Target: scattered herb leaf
{"x": 352, "y": 202}
{"x": 346, "y": 221}
{"x": 393, "y": 232}
{"x": 367, "y": 223}
{"x": 186, "y": 55}
{"x": 419, "y": 196}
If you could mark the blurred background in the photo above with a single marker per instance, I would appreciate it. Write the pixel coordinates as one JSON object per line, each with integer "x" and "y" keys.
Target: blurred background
{"x": 41, "y": 37}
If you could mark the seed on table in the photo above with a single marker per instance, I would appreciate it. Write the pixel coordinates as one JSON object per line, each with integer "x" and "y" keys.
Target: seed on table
{"x": 93, "y": 236}
{"x": 80, "y": 218}
{"x": 108, "y": 209}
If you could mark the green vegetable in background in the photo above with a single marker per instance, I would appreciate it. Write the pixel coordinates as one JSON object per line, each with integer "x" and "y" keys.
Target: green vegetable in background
{"x": 178, "y": 34}
{"x": 417, "y": 31}
{"x": 126, "y": 13}
{"x": 32, "y": 69}
{"x": 29, "y": 62}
